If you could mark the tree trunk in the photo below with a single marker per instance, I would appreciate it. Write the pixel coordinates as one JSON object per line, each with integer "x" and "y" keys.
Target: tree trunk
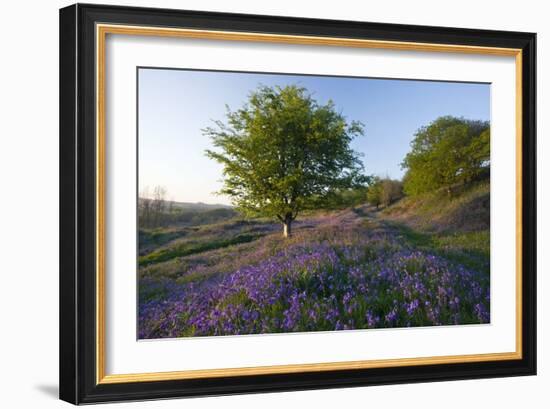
{"x": 287, "y": 232}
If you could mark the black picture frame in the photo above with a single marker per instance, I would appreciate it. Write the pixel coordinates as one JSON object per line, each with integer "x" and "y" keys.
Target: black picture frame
{"x": 78, "y": 360}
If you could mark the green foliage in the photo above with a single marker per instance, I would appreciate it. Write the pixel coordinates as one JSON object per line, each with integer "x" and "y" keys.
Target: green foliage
{"x": 346, "y": 198}
{"x": 283, "y": 153}
{"x": 391, "y": 191}
{"x": 450, "y": 151}
{"x": 374, "y": 192}
{"x": 384, "y": 191}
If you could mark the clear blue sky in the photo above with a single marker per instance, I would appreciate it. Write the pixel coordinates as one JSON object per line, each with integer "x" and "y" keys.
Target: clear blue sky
{"x": 174, "y": 105}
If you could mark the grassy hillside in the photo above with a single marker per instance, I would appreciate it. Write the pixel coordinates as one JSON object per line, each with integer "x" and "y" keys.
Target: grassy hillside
{"x": 466, "y": 210}
{"x": 422, "y": 261}
{"x": 456, "y": 227}
{"x": 198, "y": 206}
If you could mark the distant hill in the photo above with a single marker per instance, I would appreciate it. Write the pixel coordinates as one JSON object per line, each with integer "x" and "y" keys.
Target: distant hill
{"x": 194, "y": 206}
{"x": 181, "y": 213}
{"x": 199, "y": 206}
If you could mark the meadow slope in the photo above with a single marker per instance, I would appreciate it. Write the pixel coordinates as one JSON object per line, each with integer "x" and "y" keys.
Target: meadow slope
{"x": 420, "y": 262}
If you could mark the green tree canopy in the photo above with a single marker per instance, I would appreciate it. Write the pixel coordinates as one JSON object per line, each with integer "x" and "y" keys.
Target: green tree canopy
{"x": 283, "y": 153}
{"x": 384, "y": 191}
{"x": 447, "y": 152}
{"x": 391, "y": 191}
{"x": 374, "y": 192}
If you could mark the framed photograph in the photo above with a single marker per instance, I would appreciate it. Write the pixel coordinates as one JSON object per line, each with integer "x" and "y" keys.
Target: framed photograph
{"x": 257, "y": 203}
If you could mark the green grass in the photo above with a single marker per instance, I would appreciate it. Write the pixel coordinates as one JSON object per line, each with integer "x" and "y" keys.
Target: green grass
{"x": 160, "y": 236}
{"x": 193, "y": 277}
{"x": 454, "y": 227}
{"x": 467, "y": 210}
{"x": 188, "y": 248}
{"x": 470, "y": 249}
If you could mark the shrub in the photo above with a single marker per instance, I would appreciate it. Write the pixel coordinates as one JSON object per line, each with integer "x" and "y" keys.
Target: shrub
{"x": 391, "y": 191}
{"x": 384, "y": 192}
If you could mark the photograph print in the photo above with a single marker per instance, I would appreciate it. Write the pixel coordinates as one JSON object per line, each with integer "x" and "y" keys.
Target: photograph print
{"x": 281, "y": 203}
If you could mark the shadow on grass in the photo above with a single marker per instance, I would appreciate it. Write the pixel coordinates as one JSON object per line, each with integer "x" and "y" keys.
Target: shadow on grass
{"x": 188, "y": 249}
{"x": 468, "y": 249}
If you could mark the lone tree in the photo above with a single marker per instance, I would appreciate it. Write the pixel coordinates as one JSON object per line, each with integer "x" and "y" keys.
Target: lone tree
{"x": 283, "y": 153}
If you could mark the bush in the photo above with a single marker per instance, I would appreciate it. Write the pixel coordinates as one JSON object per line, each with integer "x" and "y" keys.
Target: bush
{"x": 392, "y": 190}
{"x": 384, "y": 192}
{"x": 374, "y": 193}
{"x": 345, "y": 198}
